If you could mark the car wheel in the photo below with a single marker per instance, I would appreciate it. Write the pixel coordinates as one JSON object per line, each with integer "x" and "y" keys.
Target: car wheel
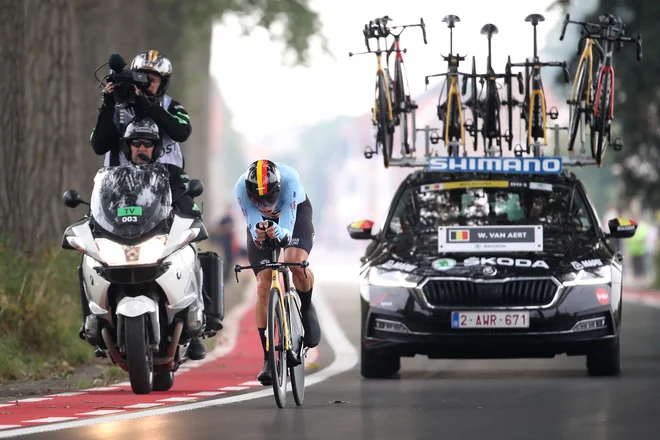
{"x": 605, "y": 359}
{"x": 374, "y": 366}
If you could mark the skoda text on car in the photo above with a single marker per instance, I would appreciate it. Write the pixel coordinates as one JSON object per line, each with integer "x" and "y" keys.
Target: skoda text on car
{"x": 508, "y": 263}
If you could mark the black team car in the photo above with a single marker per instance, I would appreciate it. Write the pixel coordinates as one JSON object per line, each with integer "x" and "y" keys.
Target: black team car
{"x": 490, "y": 265}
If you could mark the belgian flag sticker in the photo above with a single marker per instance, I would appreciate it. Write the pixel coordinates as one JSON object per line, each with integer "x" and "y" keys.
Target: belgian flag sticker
{"x": 459, "y": 235}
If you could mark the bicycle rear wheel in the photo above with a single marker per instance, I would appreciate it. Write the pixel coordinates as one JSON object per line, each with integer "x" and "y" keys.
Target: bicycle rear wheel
{"x": 384, "y": 123}
{"x": 603, "y": 119}
{"x": 401, "y": 105}
{"x": 577, "y": 110}
{"x": 297, "y": 372}
{"x": 276, "y": 351}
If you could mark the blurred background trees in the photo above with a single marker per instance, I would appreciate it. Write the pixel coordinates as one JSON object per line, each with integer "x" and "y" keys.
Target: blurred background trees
{"x": 50, "y": 98}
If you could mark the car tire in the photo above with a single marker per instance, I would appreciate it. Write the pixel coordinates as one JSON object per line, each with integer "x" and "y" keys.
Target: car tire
{"x": 605, "y": 359}
{"x": 378, "y": 366}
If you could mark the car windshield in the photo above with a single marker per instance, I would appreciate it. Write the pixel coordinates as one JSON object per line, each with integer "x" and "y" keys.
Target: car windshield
{"x": 129, "y": 201}
{"x": 560, "y": 209}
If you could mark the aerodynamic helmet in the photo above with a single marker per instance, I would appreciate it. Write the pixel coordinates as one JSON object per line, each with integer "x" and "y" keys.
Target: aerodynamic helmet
{"x": 262, "y": 182}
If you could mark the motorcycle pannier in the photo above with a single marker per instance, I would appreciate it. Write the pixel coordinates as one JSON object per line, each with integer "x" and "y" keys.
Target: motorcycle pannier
{"x": 213, "y": 283}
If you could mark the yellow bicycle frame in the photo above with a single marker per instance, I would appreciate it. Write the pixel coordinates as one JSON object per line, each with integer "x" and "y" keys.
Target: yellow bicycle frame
{"x": 387, "y": 94}
{"x": 586, "y": 53}
{"x": 275, "y": 284}
{"x": 541, "y": 95}
{"x": 453, "y": 94}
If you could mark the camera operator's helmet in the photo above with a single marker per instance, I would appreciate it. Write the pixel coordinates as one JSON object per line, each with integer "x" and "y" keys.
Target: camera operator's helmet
{"x": 144, "y": 128}
{"x": 263, "y": 182}
{"x": 156, "y": 62}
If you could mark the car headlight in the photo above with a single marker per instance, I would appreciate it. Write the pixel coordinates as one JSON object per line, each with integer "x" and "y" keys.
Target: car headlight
{"x": 388, "y": 278}
{"x": 599, "y": 275}
{"x": 147, "y": 252}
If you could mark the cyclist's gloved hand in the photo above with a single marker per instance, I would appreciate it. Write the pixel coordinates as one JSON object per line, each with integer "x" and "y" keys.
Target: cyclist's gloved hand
{"x": 279, "y": 233}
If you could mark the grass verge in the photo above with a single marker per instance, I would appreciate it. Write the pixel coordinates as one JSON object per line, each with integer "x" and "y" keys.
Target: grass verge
{"x": 40, "y": 316}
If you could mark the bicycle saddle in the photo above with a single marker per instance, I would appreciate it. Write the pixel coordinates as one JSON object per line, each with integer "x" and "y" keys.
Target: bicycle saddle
{"x": 451, "y": 20}
{"x": 609, "y": 19}
{"x": 489, "y": 29}
{"x": 534, "y": 19}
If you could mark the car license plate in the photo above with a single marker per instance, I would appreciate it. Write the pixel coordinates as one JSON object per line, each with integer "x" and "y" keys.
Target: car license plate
{"x": 490, "y": 319}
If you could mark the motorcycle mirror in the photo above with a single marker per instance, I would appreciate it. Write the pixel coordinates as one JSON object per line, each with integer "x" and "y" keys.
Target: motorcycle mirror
{"x": 195, "y": 188}
{"x": 72, "y": 199}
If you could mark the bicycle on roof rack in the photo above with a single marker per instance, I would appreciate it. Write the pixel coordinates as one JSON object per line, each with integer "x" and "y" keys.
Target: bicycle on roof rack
{"x": 450, "y": 111}
{"x": 488, "y": 109}
{"x": 595, "y": 108}
{"x": 392, "y": 103}
{"x": 534, "y": 111}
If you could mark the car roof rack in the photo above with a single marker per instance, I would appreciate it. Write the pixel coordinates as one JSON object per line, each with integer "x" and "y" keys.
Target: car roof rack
{"x": 578, "y": 159}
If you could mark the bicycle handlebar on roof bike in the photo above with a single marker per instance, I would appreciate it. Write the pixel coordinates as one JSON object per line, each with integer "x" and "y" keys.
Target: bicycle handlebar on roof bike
{"x": 594, "y": 31}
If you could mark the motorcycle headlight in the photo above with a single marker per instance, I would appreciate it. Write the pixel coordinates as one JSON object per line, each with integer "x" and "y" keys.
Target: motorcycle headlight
{"x": 599, "y": 275}
{"x": 388, "y": 278}
{"x": 147, "y": 252}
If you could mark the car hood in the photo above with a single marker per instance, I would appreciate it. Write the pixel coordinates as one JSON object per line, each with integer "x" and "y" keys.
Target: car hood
{"x": 425, "y": 262}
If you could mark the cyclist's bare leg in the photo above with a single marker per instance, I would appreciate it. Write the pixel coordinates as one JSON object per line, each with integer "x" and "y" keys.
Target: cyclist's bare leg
{"x": 263, "y": 288}
{"x": 300, "y": 281}
{"x": 304, "y": 285}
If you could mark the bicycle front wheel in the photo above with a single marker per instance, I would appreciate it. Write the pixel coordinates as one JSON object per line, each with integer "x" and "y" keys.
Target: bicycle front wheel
{"x": 297, "y": 372}
{"x": 577, "y": 109}
{"x": 276, "y": 348}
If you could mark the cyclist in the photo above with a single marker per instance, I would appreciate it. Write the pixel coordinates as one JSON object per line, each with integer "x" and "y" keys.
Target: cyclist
{"x": 272, "y": 191}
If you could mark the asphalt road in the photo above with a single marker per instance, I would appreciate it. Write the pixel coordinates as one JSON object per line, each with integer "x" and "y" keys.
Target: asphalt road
{"x": 508, "y": 400}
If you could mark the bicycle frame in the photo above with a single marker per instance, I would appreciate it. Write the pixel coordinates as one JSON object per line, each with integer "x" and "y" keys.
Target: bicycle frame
{"x": 453, "y": 61}
{"x": 604, "y": 64}
{"x": 275, "y": 284}
{"x": 586, "y": 57}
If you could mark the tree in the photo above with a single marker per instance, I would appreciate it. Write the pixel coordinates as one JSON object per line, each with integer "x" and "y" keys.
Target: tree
{"x": 51, "y": 48}
{"x": 636, "y": 98}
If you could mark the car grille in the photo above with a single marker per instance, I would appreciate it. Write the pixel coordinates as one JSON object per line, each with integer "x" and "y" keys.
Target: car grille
{"x": 514, "y": 293}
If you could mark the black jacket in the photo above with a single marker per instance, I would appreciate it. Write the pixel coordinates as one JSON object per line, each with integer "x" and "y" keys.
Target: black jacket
{"x": 106, "y": 137}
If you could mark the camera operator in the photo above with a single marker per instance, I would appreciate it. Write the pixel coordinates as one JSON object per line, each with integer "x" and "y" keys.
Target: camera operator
{"x": 123, "y": 101}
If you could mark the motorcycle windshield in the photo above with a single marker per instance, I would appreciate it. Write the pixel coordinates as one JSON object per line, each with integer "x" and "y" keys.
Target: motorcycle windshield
{"x": 129, "y": 201}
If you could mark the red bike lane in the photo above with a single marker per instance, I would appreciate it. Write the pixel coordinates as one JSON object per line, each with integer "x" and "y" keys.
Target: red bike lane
{"x": 221, "y": 373}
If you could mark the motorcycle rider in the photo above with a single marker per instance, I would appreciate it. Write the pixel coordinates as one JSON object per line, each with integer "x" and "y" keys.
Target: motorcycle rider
{"x": 143, "y": 138}
{"x": 152, "y": 103}
{"x": 272, "y": 191}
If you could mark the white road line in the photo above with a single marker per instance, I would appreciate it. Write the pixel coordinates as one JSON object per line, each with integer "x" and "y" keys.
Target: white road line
{"x": 233, "y": 388}
{"x": 143, "y": 405}
{"x": 346, "y": 358}
{"x": 47, "y": 420}
{"x": 207, "y": 393}
{"x": 34, "y": 399}
{"x": 101, "y": 412}
{"x": 177, "y": 399}
{"x": 9, "y": 426}
{"x": 102, "y": 389}
{"x": 73, "y": 393}
{"x": 250, "y": 383}
{"x": 3, "y": 405}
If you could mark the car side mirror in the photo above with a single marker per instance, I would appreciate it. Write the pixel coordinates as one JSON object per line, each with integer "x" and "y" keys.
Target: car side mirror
{"x": 361, "y": 230}
{"x": 72, "y": 199}
{"x": 621, "y": 228}
{"x": 195, "y": 188}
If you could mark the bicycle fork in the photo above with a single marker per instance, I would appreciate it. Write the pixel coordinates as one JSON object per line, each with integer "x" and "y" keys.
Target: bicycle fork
{"x": 275, "y": 284}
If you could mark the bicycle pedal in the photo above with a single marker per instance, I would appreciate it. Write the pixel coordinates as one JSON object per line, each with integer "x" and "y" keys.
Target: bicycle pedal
{"x": 368, "y": 152}
{"x": 617, "y": 145}
{"x": 553, "y": 113}
{"x": 434, "y": 138}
